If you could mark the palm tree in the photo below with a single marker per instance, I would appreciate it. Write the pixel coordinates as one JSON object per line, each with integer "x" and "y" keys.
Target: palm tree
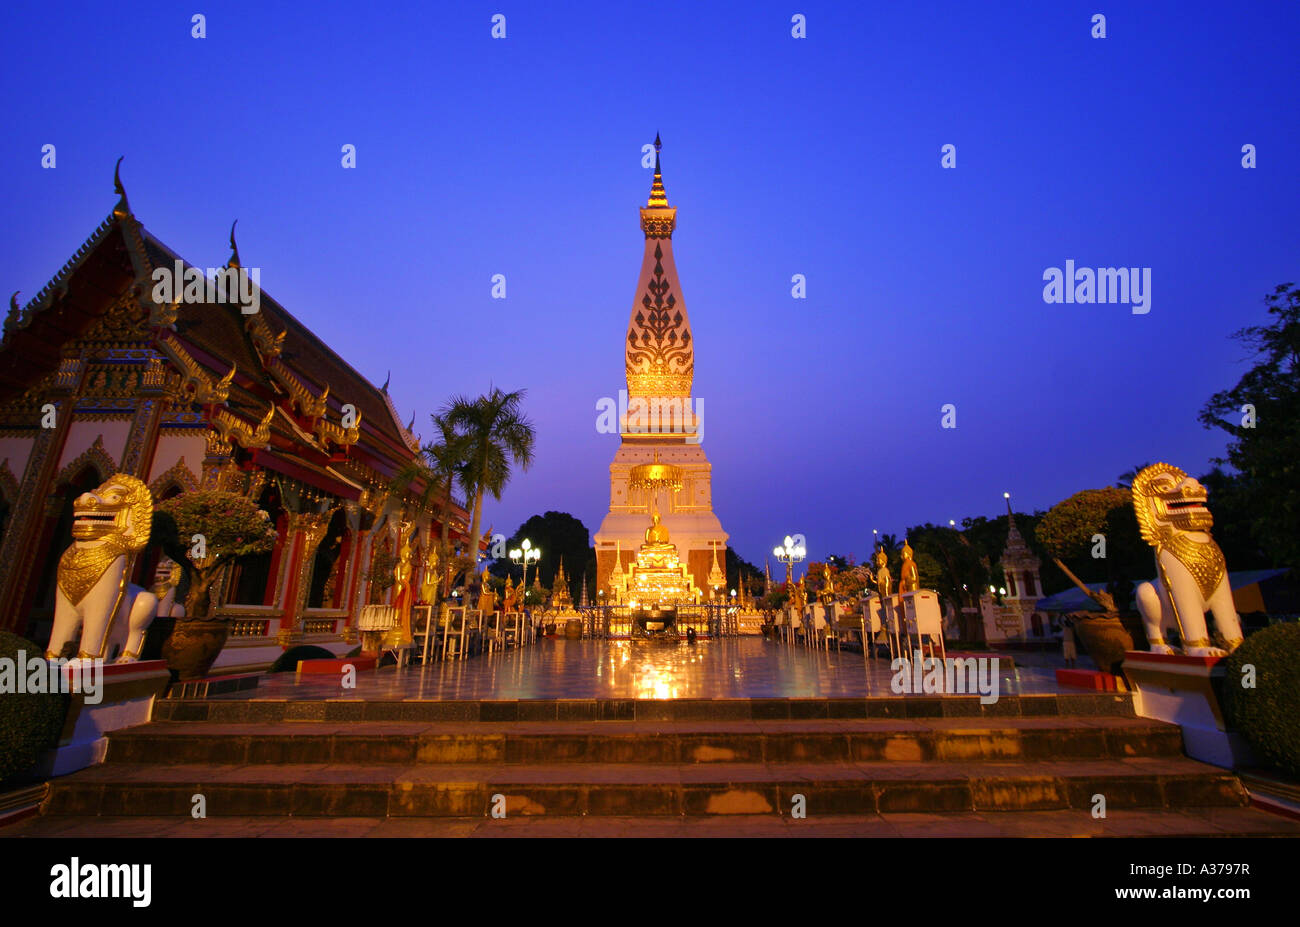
{"x": 496, "y": 433}
{"x": 1125, "y": 479}
{"x": 440, "y": 464}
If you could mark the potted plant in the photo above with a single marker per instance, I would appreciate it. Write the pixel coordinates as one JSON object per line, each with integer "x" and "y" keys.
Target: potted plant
{"x": 1069, "y": 529}
{"x": 205, "y": 532}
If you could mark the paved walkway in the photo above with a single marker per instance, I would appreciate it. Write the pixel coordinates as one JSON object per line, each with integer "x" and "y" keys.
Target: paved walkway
{"x": 746, "y": 667}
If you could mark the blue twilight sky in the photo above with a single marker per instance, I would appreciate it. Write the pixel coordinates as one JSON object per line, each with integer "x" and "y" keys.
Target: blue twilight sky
{"x": 817, "y": 156}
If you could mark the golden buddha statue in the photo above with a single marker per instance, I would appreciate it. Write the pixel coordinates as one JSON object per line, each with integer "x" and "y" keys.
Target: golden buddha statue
{"x": 656, "y": 535}
{"x": 400, "y": 634}
{"x": 828, "y": 584}
{"x": 487, "y": 597}
{"x": 884, "y": 581}
{"x": 909, "y": 580}
{"x": 657, "y": 575}
{"x": 402, "y": 571}
{"x": 799, "y": 596}
{"x": 429, "y": 580}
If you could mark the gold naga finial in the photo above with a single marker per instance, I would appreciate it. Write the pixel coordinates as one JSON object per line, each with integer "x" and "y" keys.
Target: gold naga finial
{"x": 13, "y": 301}
{"x": 123, "y": 208}
{"x": 222, "y": 389}
{"x": 262, "y": 434}
{"x": 234, "y": 249}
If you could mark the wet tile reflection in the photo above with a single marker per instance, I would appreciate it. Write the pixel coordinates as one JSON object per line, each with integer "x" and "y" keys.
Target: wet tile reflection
{"x": 738, "y": 668}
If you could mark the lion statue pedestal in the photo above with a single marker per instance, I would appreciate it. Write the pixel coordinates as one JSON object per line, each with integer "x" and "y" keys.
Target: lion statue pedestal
{"x": 1191, "y": 579}
{"x": 110, "y": 525}
{"x": 1191, "y": 575}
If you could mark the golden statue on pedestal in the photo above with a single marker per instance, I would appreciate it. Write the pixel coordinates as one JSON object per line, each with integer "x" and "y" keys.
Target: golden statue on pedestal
{"x": 402, "y": 572}
{"x": 1191, "y": 573}
{"x": 909, "y": 579}
{"x": 487, "y": 598}
{"x": 828, "y": 585}
{"x": 429, "y": 581}
{"x": 510, "y": 598}
{"x": 884, "y": 581}
{"x": 657, "y": 575}
{"x": 799, "y": 596}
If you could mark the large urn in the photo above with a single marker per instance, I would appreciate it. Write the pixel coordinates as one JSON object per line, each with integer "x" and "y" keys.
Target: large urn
{"x": 1104, "y": 638}
{"x": 193, "y": 646}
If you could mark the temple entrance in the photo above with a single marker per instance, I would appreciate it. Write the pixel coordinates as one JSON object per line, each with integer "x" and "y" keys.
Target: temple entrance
{"x": 59, "y": 538}
{"x": 252, "y": 578}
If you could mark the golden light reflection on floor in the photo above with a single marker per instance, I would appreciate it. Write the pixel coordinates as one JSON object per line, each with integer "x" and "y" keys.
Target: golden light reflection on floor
{"x": 632, "y": 669}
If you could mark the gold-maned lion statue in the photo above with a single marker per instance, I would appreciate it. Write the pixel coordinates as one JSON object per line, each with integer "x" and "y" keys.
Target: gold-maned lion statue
{"x": 1191, "y": 575}
{"x": 109, "y": 525}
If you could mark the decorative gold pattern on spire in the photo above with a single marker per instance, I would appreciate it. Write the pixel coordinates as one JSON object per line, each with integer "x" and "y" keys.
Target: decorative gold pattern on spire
{"x": 660, "y": 357}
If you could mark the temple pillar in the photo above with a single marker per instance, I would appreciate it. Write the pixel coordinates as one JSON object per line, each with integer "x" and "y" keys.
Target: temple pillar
{"x": 307, "y": 530}
{"x": 18, "y": 556}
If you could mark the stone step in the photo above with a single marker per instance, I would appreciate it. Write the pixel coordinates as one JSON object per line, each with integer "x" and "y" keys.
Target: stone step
{"x": 239, "y": 709}
{"x": 1210, "y": 822}
{"x": 511, "y": 743}
{"x": 333, "y": 790}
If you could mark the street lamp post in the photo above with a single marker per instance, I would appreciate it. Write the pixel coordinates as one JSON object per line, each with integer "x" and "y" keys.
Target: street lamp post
{"x": 522, "y": 554}
{"x": 789, "y": 553}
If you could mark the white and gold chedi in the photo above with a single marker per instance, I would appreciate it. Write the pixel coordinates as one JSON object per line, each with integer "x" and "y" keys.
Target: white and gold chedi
{"x": 659, "y": 360}
{"x": 1191, "y": 575}
{"x": 110, "y": 524}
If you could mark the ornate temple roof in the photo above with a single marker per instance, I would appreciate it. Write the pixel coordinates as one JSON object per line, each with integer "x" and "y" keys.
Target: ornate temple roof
{"x": 104, "y": 292}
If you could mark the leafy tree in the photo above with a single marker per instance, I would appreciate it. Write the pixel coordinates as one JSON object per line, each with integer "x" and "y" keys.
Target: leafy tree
{"x": 561, "y": 537}
{"x": 497, "y": 435}
{"x": 1125, "y": 480}
{"x": 1068, "y": 529}
{"x": 739, "y": 571}
{"x": 1261, "y": 415}
{"x": 961, "y": 570}
{"x": 219, "y": 526}
{"x": 1234, "y": 521}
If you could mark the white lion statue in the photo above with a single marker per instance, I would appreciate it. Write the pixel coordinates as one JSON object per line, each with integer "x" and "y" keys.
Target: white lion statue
{"x": 1191, "y": 576}
{"x": 109, "y": 525}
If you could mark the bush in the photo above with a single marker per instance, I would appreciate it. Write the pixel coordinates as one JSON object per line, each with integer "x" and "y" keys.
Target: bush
{"x": 1268, "y": 715}
{"x": 30, "y": 723}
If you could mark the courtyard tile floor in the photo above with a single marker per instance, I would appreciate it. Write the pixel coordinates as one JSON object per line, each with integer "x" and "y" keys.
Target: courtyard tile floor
{"x": 746, "y": 667}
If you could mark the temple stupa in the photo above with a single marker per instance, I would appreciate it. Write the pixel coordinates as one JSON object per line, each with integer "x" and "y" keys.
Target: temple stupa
{"x": 662, "y": 425}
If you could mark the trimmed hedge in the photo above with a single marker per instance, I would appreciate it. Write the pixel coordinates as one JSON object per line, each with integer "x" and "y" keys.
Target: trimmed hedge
{"x": 1268, "y": 715}
{"x": 30, "y": 723}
